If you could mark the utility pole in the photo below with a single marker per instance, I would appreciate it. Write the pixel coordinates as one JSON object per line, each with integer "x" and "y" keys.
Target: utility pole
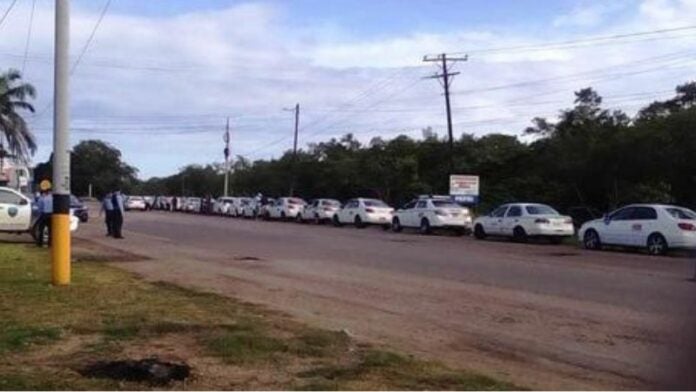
{"x": 294, "y": 148}
{"x": 447, "y": 78}
{"x": 226, "y": 138}
{"x": 60, "y": 220}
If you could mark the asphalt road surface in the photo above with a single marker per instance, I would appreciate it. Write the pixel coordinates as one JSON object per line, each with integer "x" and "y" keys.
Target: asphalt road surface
{"x": 543, "y": 316}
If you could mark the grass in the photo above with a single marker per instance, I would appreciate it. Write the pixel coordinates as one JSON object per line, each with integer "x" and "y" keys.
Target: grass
{"x": 48, "y": 333}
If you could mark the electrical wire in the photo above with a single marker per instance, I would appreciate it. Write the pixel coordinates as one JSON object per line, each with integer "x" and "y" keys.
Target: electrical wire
{"x": 26, "y": 46}
{"x": 7, "y": 12}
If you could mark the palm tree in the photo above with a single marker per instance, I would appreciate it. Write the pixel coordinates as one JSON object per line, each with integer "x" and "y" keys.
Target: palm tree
{"x": 13, "y": 129}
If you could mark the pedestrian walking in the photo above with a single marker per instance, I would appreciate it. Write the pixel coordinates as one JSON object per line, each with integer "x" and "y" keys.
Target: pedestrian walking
{"x": 45, "y": 207}
{"x": 107, "y": 208}
{"x": 118, "y": 212}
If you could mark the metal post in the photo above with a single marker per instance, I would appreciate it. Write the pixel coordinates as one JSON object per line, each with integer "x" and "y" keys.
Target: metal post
{"x": 294, "y": 151}
{"x": 227, "y": 158}
{"x": 60, "y": 221}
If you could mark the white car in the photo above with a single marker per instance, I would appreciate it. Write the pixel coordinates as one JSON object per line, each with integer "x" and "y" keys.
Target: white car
{"x": 249, "y": 208}
{"x": 655, "y": 227}
{"x": 320, "y": 210}
{"x": 223, "y": 205}
{"x": 135, "y": 203}
{"x": 523, "y": 220}
{"x": 286, "y": 208}
{"x": 361, "y": 212}
{"x": 428, "y": 213}
{"x": 193, "y": 205}
{"x": 237, "y": 207}
{"x": 19, "y": 215}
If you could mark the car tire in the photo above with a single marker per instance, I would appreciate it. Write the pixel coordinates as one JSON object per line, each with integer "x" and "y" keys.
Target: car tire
{"x": 519, "y": 235}
{"x": 396, "y": 225}
{"x": 359, "y": 222}
{"x": 479, "y": 232}
{"x": 299, "y": 219}
{"x": 591, "y": 240}
{"x": 282, "y": 215}
{"x": 336, "y": 221}
{"x": 657, "y": 245}
{"x": 424, "y": 227}
{"x": 317, "y": 219}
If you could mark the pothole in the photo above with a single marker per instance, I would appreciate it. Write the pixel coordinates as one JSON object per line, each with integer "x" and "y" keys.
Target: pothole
{"x": 247, "y": 258}
{"x": 150, "y": 370}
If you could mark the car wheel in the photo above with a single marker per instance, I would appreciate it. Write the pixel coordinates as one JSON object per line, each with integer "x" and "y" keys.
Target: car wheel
{"x": 282, "y": 215}
{"x": 358, "y": 222}
{"x": 336, "y": 221}
{"x": 396, "y": 225}
{"x": 519, "y": 235}
{"x": 298, "y": 218}
{"x": 657, "y": 245}
{"x": 424, "y": 226}
{"x": 479, "y": 233}
{"x": 591, "y": 240}
{"x": 317, "y": 219}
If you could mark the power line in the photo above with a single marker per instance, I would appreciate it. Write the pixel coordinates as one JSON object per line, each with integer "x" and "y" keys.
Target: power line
{"x": 26, "y": 46}
{"x": 7, "y": 12}
{"x": 575, "y": 41}
{"x": 83, "y": 50}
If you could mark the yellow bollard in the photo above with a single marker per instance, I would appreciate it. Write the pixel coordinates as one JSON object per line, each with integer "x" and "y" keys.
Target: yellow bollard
{"x": 60, "y": 249}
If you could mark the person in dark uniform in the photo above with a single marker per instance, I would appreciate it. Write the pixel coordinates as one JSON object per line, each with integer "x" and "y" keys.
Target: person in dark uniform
{"x": 117, "y": 225}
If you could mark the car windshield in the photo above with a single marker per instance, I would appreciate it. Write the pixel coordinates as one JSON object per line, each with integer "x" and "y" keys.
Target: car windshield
{"x": 681, "y": 213}
{"x": 74, "y": 200}
{"x": 540, "y": 209}
{"x": 331, "y": 203}
{"x": 375, "y": 203}
{"x": 445, "y": 204}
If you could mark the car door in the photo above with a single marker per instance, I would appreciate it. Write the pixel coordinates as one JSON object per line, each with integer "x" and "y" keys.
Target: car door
{"x": 617, "y": 228}
{"x": 405, "y": 214}
{"x": 15, "y": 211}
{"x": 510, "y": 220}
{"x": 418, "y": 213}
{"x": 493, "y": 223}
{"x": 346, "y": 213}
{"x": 643, "y": 222}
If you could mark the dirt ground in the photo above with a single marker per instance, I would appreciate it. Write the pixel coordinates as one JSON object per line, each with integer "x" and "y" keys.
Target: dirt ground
{"x": 606, "y": 330}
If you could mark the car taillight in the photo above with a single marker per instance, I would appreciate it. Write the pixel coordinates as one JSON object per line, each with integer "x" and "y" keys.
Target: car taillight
{"x": 441, "y": 213}
{"x": 369, "y": 210}
{"x": 687, "y": 226}
{"x": 542, "y": 221}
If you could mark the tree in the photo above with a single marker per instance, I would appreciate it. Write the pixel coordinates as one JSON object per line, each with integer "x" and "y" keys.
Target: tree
{"x": 13, "y": 129}
{"x": 97, "y": 163}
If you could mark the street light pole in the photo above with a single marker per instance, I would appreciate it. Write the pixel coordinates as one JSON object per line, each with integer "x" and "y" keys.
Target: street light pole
{"x": 60, "y": 220}
{"x": 226, "y": 138}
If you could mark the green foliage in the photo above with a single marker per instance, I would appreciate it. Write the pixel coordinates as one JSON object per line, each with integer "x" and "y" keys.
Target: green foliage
{"x": 94, "y": 162}
{"x": 14, "y": 96}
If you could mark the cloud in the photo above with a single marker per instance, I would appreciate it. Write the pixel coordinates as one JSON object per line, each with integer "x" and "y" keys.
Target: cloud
{"x": 160, "y": 88}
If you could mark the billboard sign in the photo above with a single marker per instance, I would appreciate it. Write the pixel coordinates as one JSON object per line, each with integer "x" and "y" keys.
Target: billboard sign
{"x": 464, "y": 188}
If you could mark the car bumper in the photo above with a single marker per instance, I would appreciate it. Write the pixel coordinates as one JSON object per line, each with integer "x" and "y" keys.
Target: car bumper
{"x": 685, "y": 240}
{"x": 553, "y": 231}
{"x": 451, "y": 222}
{"x": 378, "y": 219}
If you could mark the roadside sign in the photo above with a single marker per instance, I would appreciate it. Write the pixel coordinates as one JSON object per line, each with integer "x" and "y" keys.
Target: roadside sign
{"x": 464, "y": 188}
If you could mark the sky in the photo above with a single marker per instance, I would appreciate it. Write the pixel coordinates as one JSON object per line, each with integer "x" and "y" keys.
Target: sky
{"x": 160, "y": 77}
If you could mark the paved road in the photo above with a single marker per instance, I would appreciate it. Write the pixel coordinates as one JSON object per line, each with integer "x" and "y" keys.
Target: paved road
{"x": 542, "y": 315}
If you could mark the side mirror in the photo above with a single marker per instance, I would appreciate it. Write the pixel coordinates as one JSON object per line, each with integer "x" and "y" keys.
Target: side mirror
{"x": 23, "y": 202}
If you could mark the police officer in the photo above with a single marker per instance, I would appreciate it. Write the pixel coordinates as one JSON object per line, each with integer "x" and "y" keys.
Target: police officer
{"x": 118, "y": 212}
{"x": 108, "y": 210}
{"x": 45, "y": 206}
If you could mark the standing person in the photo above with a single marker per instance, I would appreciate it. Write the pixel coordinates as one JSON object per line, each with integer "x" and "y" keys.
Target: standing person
{"x": 45, "y": 204}
{"x": 108, "y": 209}
{"x": 117, "y": 201}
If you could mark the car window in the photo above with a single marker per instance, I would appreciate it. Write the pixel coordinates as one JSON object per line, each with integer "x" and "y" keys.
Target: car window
{"x": 644, "y": 213}
{"x": 623, "y": 214}
{"x": 375, "y": 203}
{"x": 352, "y": 204}
{"x": 422, "y": 204}
{"x": 7, "y": 197}
{"x": 540, "y": 209}
{"x": 445, "y": 204}
{"x": 499, "y": 212}
{"x": 681, "y": 213}
{"x": 514, "y": 211}
{"x": 331, "y": 203}
{"x": 409, "y": 205}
